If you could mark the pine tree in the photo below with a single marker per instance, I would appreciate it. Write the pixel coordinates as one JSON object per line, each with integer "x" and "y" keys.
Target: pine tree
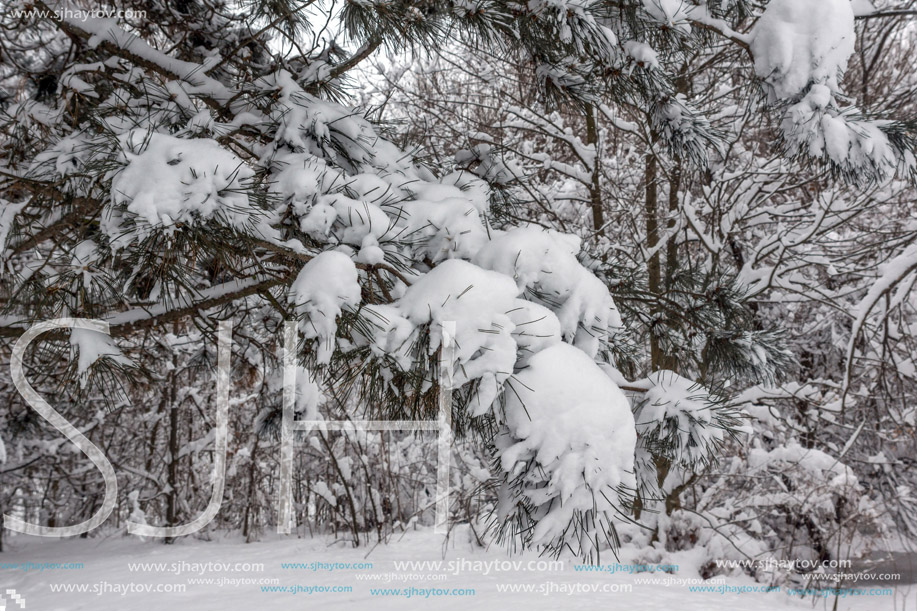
{"x": 193, "y": 162}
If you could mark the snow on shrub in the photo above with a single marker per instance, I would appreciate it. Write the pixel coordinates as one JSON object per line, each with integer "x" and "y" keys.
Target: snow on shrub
{"x": 478, "y": 301}
{"x": 91, "y": 346}
{"x": 544, "y": 264}
{"x": 679, "y": 420}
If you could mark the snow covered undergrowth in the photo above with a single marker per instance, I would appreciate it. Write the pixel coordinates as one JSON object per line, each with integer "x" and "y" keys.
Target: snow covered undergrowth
{"x": 111, "y": 564}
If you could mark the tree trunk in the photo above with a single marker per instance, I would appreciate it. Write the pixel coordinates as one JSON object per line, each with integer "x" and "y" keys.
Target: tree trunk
{"x": 651, "y": 210}
{"x": 671, "y": 247}
{"x": 595, "y": 192}
{"x": 174, "y": 441}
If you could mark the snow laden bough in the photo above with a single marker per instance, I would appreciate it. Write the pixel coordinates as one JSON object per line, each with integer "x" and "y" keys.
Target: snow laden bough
{"x": 567, "y": 447}
{"x": 681, "y": 430}
{"x": 800, "y": 50}
{"x": 390, "y": 253}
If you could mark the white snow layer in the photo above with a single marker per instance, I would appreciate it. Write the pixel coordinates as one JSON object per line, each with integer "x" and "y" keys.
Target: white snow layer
{"x": 325, "y": 285}
{"x": 169, "y": 181}
{"x": 545, "y": 262}
{"x": 570, "y": 434}
{"x": 91, "y": 346}
{"x": 478, "y": 301}
{"x": 797, "y": 42}
{"x": 211, "y": 584}
{"x": 681, "y": 411}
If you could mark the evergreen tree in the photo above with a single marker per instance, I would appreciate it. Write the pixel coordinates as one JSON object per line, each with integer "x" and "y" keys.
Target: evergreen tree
{"x": 196, "y": 161}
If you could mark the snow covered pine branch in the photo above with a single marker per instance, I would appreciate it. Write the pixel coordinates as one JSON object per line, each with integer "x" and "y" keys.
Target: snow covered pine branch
{"x": 159, "y": 175}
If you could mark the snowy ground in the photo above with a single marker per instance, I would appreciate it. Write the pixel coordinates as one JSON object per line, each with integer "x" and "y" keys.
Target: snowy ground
{"x": 110, "y": 566}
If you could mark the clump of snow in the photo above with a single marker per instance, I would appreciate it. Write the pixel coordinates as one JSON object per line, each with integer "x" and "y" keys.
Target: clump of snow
{"x": 318, "y": 220}
{"x": 679, "y": 416}
{"x": 324, "y": 286}
{"x": 168, "y": 180}
{"x": 68, "y": 155}
{"x": 90, "y": 346}
{"x": 392, "y": 333}
{"x": 308, "y": 394}
{"x": 642, "y": 53}
{"x": 672, "y": 14}
{"x": 360, "y": 219}
{"x": 478, "y": 301}
{"x": 814, "y": 126}
{"x": 324, "y": 129}
{"x": 486, "y": 161}
{"x": 370, "y": 251}
{"x": 798, "y": 42}
{"x": 84, "y": 255}
{"x": 455, "y": 186}
{"x": 544, "y": 264}
{"x": 447, "y": 228}
{"x": 568, "y": 444}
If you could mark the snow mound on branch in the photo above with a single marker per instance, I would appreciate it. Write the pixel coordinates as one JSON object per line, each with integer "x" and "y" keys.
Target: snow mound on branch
{"x": 91, "y": 346}
{"x": 797, "y": 42}
{"x": 671, "y": 395}
{"x": 478, "y": 301}
{"x": 360, "y": 218}
{"x": 672, "y": 14}
{"x": 457, "y": 185}
{"x": 441, "y": 230}
{"x": 324, "y": 129}
{"x": 820, "y": 466}
{"x": 170, "y": 180}
{"x": 391, "y": 333}
{"x": 569, "y": 443}
{"x": 815, "y": 126}
{"x": 544, "y": 263}
{"x": 642, "y": 53}
{"x": 679, "y": 416}
{"x": 324, "y": 286}
{"x": 84, "y": 257}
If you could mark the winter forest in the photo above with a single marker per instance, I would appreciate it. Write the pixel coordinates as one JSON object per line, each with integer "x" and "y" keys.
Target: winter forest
{"x": 640, "y": 273}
